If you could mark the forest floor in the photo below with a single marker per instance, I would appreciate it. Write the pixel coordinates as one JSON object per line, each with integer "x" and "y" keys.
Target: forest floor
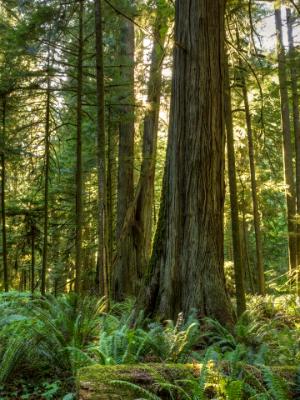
{"x": 45, "y": 342}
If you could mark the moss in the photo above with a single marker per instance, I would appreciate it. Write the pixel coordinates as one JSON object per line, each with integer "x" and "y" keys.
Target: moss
{"x": 95, "y": 382}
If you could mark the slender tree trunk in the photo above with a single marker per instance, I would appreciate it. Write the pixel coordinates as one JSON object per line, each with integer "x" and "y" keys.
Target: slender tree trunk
{"x": 78, "y": 181}
{"x": 101, "y": 161}
{"x": 287, "y": 144}
{"x": 110, "y": 189}
{"x": 145, "y": 195}
{"x": 32, "y": 258}
{"x": 125, "y": 265}
{"x": 256, "y": 216}
{"x": 187, "y": 262}
{"x": 46, "y": 182}
{"x": 3, "y": 204}
{"x": 139, "y": 216}
{"x": 235, "y": 224}
{"x": 296, "y": 122}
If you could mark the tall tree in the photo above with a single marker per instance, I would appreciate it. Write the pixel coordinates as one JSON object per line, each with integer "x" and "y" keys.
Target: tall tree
{"x": 3, "y": 203}
{"x": 125, "y": 264}
{"x": 46, "y": 182}
{"x": 101, "y": 161}
{"x": 287, "y": 142}
{"x": 78, "y": 181}
{"x": 187, "y": 261}
{"x": 145, "y": 190}
{"x": 296, "y": 123}
{"x": 32, "y": 240}
{"x": 235, "y": 224}
{"x": 139, "y": 217}
{"x": 255, "y": 205}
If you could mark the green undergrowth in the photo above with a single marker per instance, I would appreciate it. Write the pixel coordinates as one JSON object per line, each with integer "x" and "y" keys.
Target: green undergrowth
{"x": 45, "y": 342}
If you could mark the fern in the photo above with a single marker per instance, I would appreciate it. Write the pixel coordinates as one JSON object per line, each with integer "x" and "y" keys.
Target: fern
{"x": 234, "y": 390}
{"x": 275, "y": 384}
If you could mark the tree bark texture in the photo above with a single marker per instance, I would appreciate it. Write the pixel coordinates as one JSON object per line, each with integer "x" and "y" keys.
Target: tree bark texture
{"x": 187, "y": 261}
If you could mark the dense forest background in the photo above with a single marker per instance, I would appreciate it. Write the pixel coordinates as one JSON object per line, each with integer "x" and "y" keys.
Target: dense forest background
{"x": 150, "y": 150}
{"x": 52, "y": 143}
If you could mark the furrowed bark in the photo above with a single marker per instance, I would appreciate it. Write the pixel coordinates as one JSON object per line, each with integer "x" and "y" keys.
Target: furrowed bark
{"x": 187, "y": 261}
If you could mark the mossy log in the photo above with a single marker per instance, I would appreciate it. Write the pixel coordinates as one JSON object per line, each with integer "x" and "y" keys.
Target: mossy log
{"x": 101, "y": 382}
{"x": 127, "y": 382}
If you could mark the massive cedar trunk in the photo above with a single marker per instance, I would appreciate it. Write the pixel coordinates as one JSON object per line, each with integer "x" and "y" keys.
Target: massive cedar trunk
{"x": 296, "y": 123}
{"x": 256, "y": 217}
{"x": 125, "y": 265}
{"x": 187, "y": 262}
{"x": 235, "y": 224}
{"x": 46, "y": 182}
{"x": 101, "y": 162}
{"x": 78, "y": 178}
{"x": 3, "y": 203}
{"x": 287, "y": 144}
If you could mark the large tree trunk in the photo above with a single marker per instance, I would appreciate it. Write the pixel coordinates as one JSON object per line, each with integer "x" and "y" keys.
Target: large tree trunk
{"x": 287, "y": 144}
{"x": 235, "y": 224}
{"x": 125, "y": 265}
{"x": 101, "y": 161}
{"x": 78, "y": 178}
{"x": 3, "y": 204}
{"x": 46, "y": 182}
{"x": 256, "y": 216}
{"x": 187, "y": 262}
{"x": 296, "y": 122}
